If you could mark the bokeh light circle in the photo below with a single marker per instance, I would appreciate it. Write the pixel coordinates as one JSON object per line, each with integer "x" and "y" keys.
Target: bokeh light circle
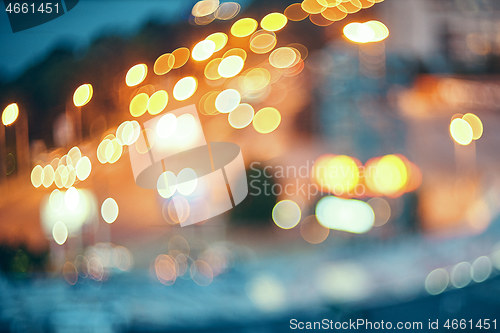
{"x": 203, "y": 50}
{"x": 185, "y": 88}
{"x": 136, "y": 75}
{"x": 286, "y": 214}
{"x": 166, "y": 184}
{"x": 83, "y": 95}
{"x": 227, "y": 100}
{"x": 266, "y": 120}
{"x": 230, "y": 66}
{"x": 164, "y": 64}
{"x": 220, "y": 40}
{"x": 273, "y": 22}
{"x": 475, "y": 123}
{"x": 139, "y": 105}
{"x": 283, "y": 57}
{"x": 109, "y": 210}
{"x": 461, "y": 131}
{"x": 242, "y": 116}
{"x": 157, "y": 102}
{"x": 244, "y": 27}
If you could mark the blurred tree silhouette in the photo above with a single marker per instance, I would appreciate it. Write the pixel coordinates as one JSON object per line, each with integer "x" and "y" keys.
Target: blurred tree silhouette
{"x": 21, "y": 260}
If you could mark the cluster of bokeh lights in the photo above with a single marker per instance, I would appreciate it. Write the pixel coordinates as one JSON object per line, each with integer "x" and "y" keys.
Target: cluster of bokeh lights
{"x": 466, "y": 128}
{"x": 236, "y": 90}
{"x": 63, "y": 172}
{"x": 389, "y": 175}
{"x": 344, "y": 179}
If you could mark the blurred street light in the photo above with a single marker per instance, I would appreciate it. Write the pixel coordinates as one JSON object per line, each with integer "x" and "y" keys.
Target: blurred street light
{"x": 371, "y": 51}
{"x": 367, "y": 32}
{"x": 81, "y": 97}
{"x": 9, "y": 116}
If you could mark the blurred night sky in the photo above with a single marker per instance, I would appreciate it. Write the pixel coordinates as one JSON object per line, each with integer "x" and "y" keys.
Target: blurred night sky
{"x": 80, "y": 26}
